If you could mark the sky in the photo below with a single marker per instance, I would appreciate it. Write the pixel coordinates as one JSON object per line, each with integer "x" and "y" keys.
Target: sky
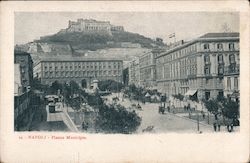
{"x": 185, "y": 25}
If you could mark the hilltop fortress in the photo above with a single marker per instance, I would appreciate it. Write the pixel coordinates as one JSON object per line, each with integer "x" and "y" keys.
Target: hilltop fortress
{"x": 92, "y": 26}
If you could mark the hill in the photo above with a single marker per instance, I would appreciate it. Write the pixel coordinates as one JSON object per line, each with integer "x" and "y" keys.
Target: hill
{"x": 94, "y": 41}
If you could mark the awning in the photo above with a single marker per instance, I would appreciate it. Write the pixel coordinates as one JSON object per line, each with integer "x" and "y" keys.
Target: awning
{"x": 147, "y": 95}
{"x": 190, "y": 92}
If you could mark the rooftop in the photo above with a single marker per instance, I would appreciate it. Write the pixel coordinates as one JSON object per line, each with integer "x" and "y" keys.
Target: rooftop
{"x": 19, "y": 52}
{"x": 207, "y": 36}
{"x": 88, "y": 58}
{"x": 213, "y": 35}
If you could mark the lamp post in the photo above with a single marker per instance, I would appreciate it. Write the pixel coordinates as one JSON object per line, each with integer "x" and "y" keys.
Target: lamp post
{"x": 198, "y": 119}
{"x": 198, "y": 122}
{"x": 208, "y": 117}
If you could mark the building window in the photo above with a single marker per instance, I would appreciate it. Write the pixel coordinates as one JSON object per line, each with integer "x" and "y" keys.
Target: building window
{"x": 206, "y": 59}
{"x": 206, "y": 46}
{"x": 220, "y": 58}
{"x": 207, "y": 70}
{"x": 228, "y": 83}
{"x": 232, "y": 58}
{"x": 220, "y": 70}
{"x": 207, "y": 81}
{"x": 50, "y": 74}
{"x": 207, "y": 95}
{"x": 220, "y": 46}
{"x": 231, "y": 46}
{"x": 236, "y": 83}
{"x": 221, "y": 94}
{"x": 220, "y": 80}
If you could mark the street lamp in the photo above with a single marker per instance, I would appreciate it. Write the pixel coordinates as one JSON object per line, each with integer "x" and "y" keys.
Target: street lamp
{"x": 198, "y": 122}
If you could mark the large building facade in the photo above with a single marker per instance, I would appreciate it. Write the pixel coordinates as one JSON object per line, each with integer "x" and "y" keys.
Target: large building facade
{"x": 134, "y": 72}
{"x": 147, "y": 70}
{"x": 205, "y": 67}
{"x": 24, "y": 65}
{"x": 23, "y": 78}
{"x": 82, "y": 70}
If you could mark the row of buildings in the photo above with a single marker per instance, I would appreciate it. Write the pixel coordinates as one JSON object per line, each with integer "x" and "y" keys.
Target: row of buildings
{"x": 83, "y": 70}
{"x": 23, "y": 78}
{"x": 204, "y": 68}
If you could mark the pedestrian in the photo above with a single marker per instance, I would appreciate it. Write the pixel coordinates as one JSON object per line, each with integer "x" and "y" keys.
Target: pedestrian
{"x": 215, "y": 127}
{"x": 188, "y": 107}
{"x": 203, "y": 115}
{"x": 185, "y": 108}
{"x": 173, "y": 109}
{"x": 232, "y": 127}
{"x": 219, "y": 124}
{"x": 168, "y": 109}
{"x": 83, "y": 126}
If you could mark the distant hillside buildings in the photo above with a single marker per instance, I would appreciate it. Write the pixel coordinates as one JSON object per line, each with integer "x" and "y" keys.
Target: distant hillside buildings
{"x": 92, "y": 26}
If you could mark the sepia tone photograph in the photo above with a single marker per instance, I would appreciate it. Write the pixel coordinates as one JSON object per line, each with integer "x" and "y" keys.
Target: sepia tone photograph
{"x": 127, "y": 72}
{"x": 123, "y": 81}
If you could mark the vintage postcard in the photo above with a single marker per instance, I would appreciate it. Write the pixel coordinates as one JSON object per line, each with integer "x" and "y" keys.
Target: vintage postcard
{"x": 125, "y": 82}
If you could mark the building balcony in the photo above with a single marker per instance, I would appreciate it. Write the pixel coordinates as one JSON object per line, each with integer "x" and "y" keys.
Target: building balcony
{"x": 191, "y": 76}
{"x": 208, "y": 75}
{"x": 232, "y": 69}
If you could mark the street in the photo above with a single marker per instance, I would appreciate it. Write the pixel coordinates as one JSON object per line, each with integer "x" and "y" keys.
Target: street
{"x": 162, "y": 123}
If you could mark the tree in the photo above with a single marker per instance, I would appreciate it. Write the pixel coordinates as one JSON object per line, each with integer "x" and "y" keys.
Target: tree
{"x": 74, "y": 86}
{"x": 116, "y": 119}
{"x": 212, "y": 106}
{"x": 230, "y": 109}
{"x": 110, "y": 85}
{"x": 75, "y": 103}
{"x": 55, "y": 86}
